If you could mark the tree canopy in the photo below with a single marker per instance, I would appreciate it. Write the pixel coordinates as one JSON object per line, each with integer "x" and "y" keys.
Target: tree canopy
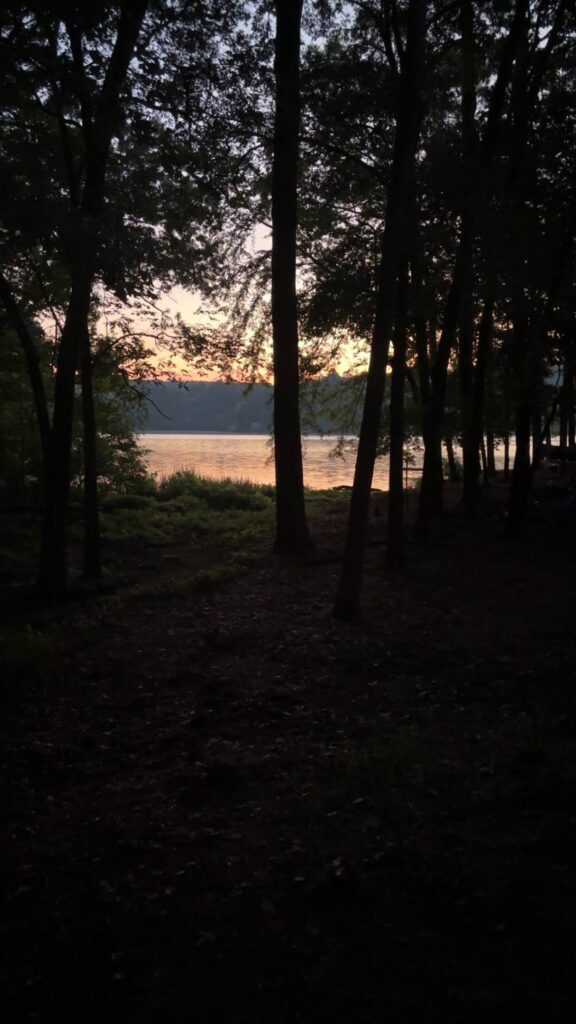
{"x": 140, "y": 148}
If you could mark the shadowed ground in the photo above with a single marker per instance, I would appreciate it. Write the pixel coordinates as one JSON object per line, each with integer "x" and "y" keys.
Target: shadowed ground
{"x": 224, "y": 806}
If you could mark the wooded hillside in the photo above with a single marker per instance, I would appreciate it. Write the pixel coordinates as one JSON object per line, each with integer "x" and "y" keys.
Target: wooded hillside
{"x": 217, "y": 406}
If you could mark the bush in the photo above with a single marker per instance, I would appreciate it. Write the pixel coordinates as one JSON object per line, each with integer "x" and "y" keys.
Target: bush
{"x": 112, "y": 502}
{"x": 188, "y": 506}
{"x": 217, "y": 494}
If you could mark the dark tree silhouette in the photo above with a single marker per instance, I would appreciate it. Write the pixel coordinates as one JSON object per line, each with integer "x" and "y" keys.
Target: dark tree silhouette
{"x": 408, "y": 119}
{"x": 291, "y": 528}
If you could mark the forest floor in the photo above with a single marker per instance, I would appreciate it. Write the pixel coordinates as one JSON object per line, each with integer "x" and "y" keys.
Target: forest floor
{"x": 225, "y": 807}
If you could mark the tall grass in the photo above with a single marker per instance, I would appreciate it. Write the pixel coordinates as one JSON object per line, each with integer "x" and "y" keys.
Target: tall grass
{"x": 220, "y": 494}
{"x": 190, "y": 505}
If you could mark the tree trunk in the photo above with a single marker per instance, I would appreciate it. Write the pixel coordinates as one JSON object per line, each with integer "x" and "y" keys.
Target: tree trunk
{"x": 470, "y": 466}
{"x": 521, "y": 474}
{"x": 99, "y": 117}
{"x": 92, "y": 543}
{"x": 53, "y": 568}
{"x": 291, "y": 528}
{"x": 33, "y": 367}
{"x": 430, "y": 502}
{"x": 528, "y": 343}
{"x": 470, "y": 441}
{"x": 536, "y": 437}
{"x": 566, "y": 397}
{"x": 548, "y": 433}
{"x": 486, "y": 414}
{"x": 472, "y": 492}
{"x": 490, "y": 452}
{"x": 408, "y": 119}
{"x": 453, "y": 471}
{"x": 425, "y": 336}
{"x": 395, "y": 546}
{"x": 563, "y": 437}
{"x": 484, "y": 461}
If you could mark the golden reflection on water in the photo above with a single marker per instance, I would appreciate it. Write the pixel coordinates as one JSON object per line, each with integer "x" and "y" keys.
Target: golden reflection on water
{"x": 248, "y": 456}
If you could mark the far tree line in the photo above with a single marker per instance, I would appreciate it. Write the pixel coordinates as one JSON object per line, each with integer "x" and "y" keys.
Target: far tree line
{"x": 414, "y": 162}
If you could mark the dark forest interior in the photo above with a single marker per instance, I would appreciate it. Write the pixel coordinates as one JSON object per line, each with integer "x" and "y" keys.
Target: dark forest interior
{"x": 273, "y": 753}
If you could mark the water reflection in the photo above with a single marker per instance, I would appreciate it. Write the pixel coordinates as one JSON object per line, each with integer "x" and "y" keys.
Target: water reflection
{"x": 249, "y": 456}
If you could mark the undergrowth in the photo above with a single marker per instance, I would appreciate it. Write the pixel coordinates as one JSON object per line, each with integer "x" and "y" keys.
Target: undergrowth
{"x": 23, "y": 652}
{"x": 188, "y": 506}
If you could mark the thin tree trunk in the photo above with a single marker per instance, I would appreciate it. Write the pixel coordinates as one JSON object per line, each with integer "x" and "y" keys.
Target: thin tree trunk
{"x": 291, "y": 528}
{"x": 545, "y": 431}
{"x": 470, "y": 446}
{"x": 548, "y": 434}
{"x": 408, "y": 119}
{"x": 53, "y": 567}
{"x": 565, "y": 395}
{"x": 431, "y": 503}
{"x": 425, "y": 336}
{"x": 507, "y": 414}
{"x": 528, "y": 343}
{"x": 490, "y": 452}
{"x": 99, "y": 117}
{"x": 484, "y": 462}
{"x": 488, "y": 383}
{"x": 563, "y": 438}
{"x": 470, "y": 466}
{"x": 536, "y": 438}
{"x": 521, "y": 474}
{"x": 454, "y": 473}
{"x": 528, "y": 350}
{"x": 92, "y": 542}
{"x": 472, "y": 493}
{"x": 395, "y": 545}
{"x": 26, "y": 339}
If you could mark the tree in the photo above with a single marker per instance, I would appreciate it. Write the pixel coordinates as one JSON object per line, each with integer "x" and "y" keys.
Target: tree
{"x": 118, "y": 204}
{"x": 408, "y": 119}
{"x": 457, "y": 308}
{"x": 291, "y": 528}
{"x": 81, "y": 239}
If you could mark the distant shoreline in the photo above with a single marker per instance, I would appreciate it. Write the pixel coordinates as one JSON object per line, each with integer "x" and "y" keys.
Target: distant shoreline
{"x": 231, "y": 433}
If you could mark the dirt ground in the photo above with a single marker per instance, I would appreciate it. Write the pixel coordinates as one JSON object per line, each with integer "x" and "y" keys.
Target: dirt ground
{"x": 228, "y": 807}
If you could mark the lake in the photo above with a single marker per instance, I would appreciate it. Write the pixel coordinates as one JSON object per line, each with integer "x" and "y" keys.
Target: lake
{"x": 248, "y": 456}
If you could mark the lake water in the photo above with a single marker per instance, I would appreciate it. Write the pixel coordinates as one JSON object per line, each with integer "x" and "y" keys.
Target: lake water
{"x": 248, "y": 456}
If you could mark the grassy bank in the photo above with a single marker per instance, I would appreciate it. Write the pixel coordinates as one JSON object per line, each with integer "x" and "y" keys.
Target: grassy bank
{"x": 188, "y": 505}
{"x": 171, "y": 537}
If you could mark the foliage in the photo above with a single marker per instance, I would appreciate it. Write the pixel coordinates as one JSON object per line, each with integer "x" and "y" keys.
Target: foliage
{"x": 220, "y": 494}
{"x": 186, "y": 504}
{"x": 120, "y": 459}
{"x": 20, "y": 459}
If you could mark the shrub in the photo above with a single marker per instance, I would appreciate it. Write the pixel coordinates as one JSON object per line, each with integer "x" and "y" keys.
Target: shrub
{"x": 112, "y": 502}
{"x": 217, "y": 494}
